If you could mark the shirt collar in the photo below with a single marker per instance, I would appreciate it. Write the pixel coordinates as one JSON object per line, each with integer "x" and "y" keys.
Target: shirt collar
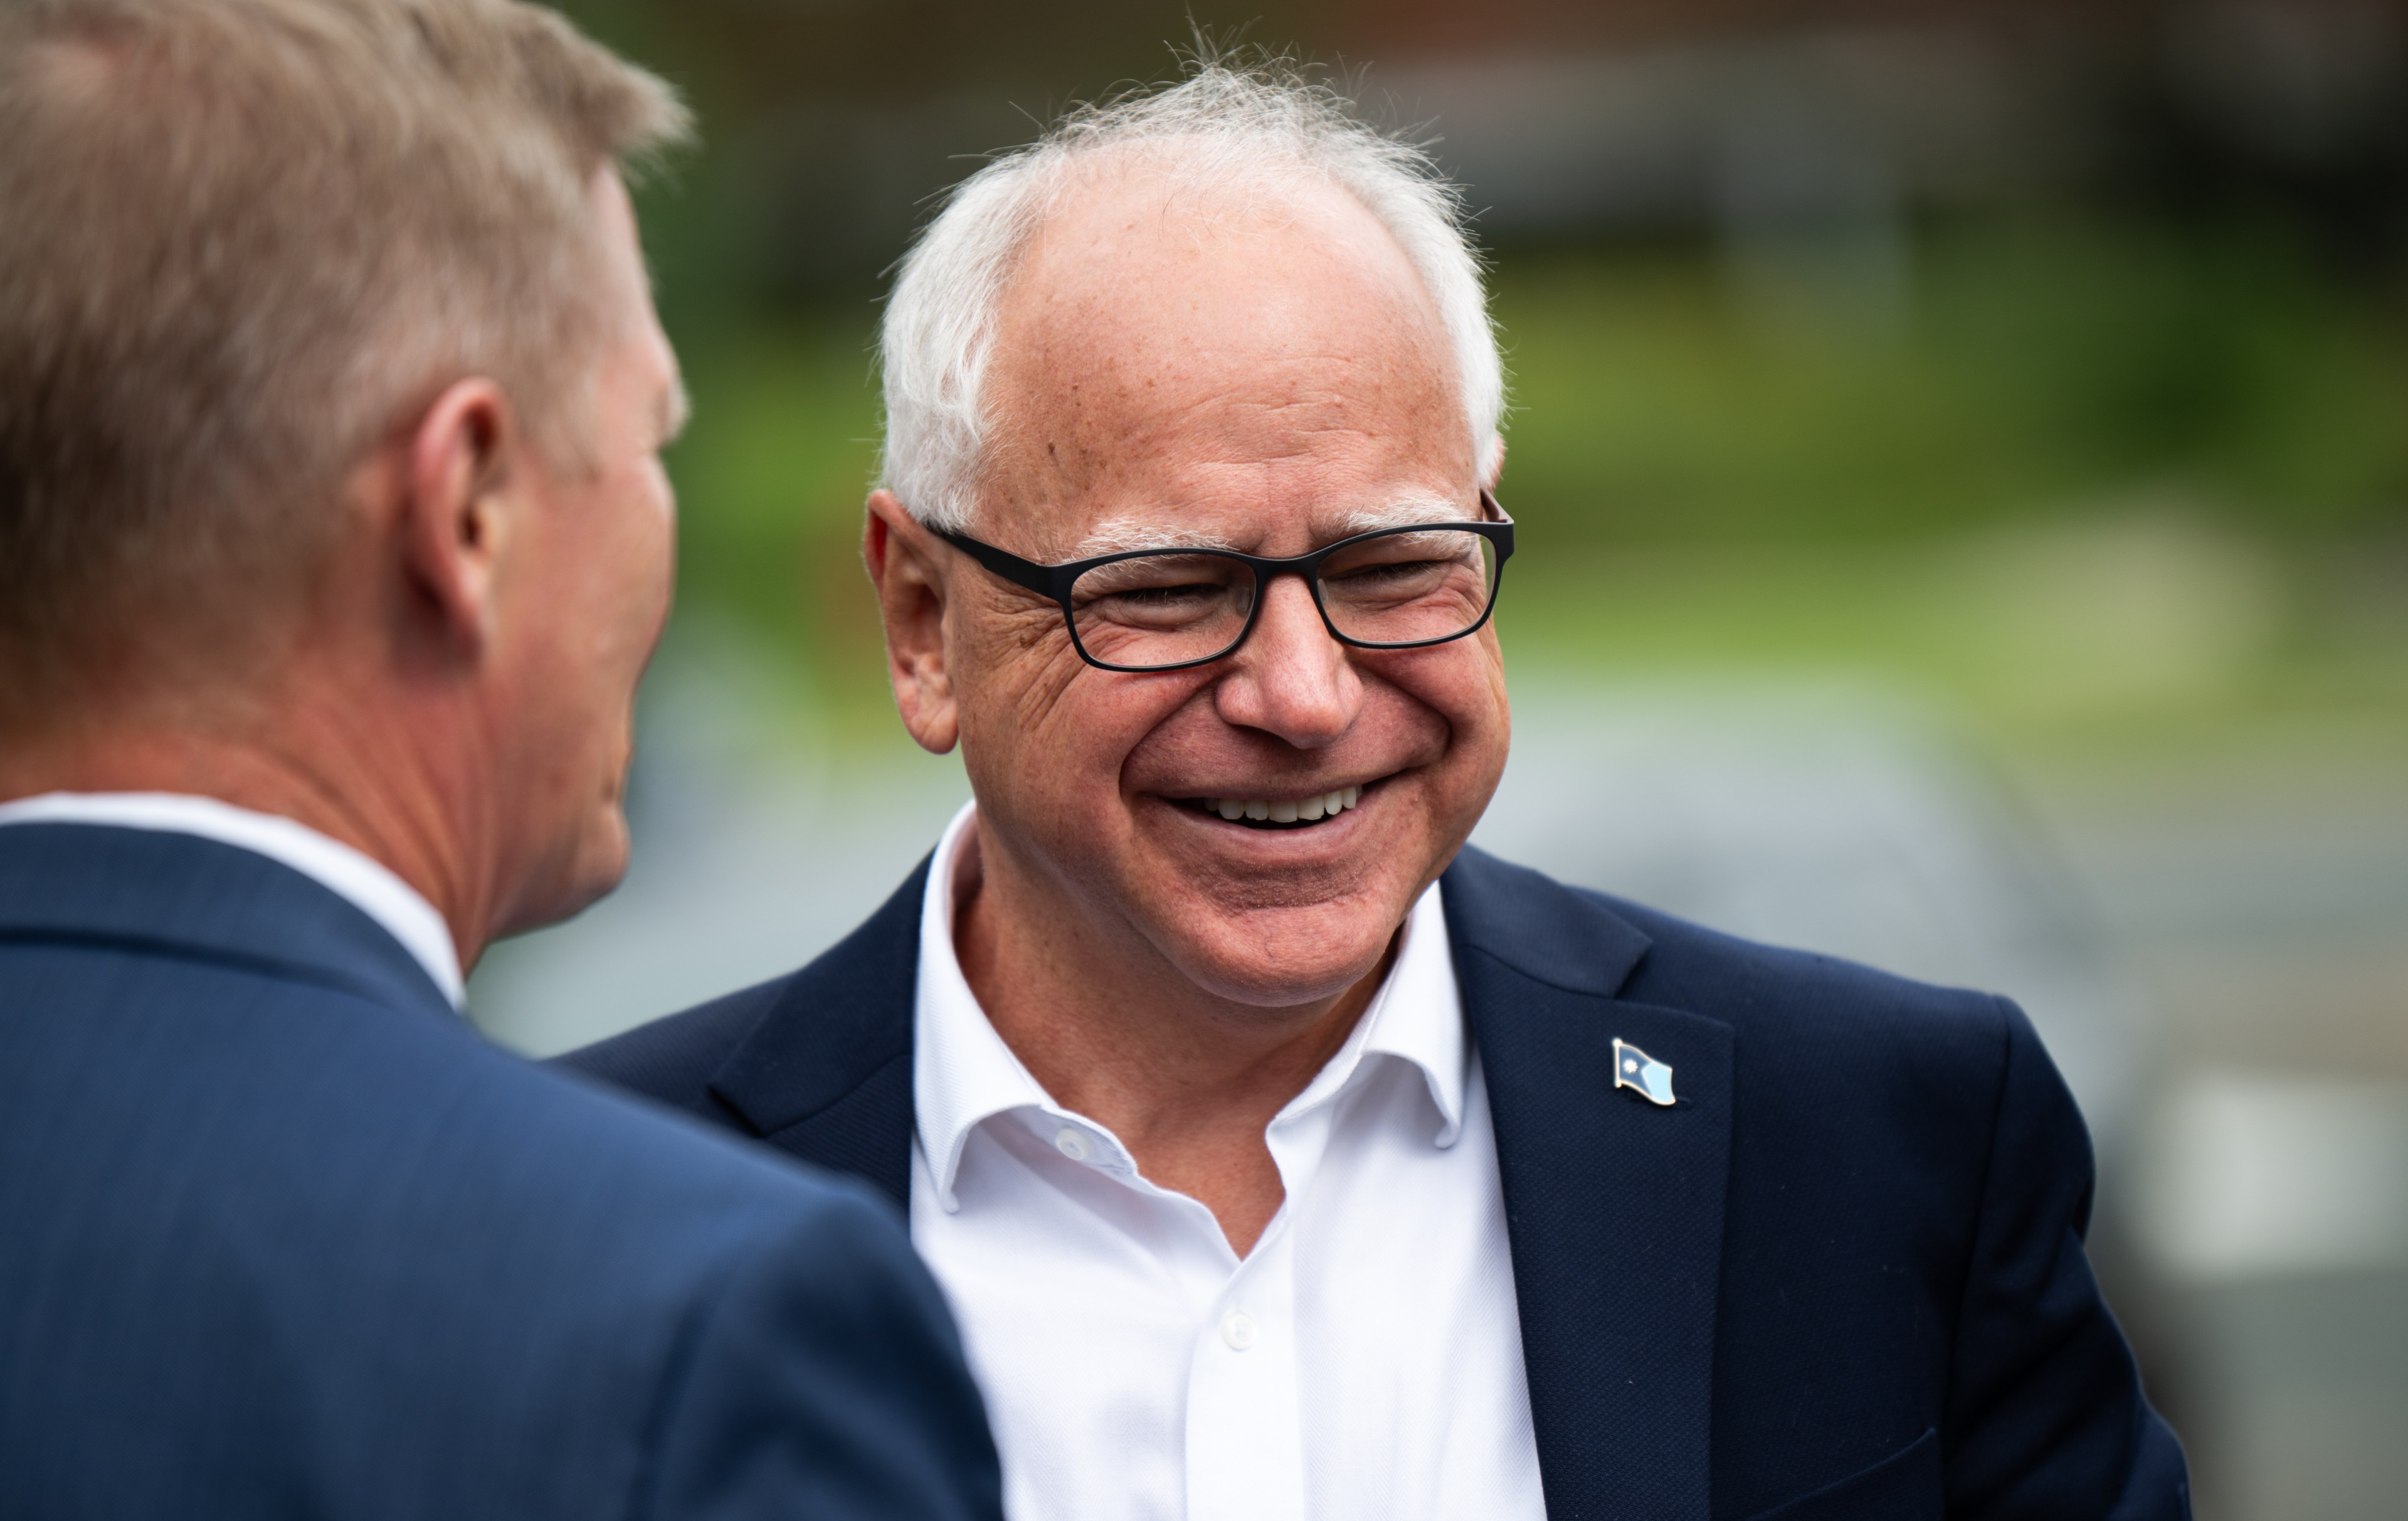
{"x": 1416, "y": 1017}
{"x": 366, "y": 883}
{"x": 963, "y": 1074}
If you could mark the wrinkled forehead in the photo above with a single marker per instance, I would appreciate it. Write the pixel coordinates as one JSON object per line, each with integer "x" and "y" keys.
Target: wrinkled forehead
{"x": 1247, "y": 366}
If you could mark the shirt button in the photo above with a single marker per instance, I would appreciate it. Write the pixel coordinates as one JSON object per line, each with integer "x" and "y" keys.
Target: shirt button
{"x": 1237, "y": 1330}
{"x": 1071, "y": 1144}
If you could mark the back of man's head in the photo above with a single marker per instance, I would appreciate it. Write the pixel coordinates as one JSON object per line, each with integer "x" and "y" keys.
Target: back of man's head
{"x": 240, "y": 240}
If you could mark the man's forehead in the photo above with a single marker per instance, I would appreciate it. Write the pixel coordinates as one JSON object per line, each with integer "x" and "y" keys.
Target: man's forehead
{"x": 1135, "y": 293}
{"x": 1169, "y": 371}
{"x": 1135, "y": 251}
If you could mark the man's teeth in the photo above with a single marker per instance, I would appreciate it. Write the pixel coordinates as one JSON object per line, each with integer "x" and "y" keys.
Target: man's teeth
{"x": 1328, "y": 805}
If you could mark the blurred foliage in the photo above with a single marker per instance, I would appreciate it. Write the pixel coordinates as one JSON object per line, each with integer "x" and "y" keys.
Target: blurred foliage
{"x": 2034, "y": 369}
{"x": 2088, "y": 465}
{"x": 2127, "y": 447}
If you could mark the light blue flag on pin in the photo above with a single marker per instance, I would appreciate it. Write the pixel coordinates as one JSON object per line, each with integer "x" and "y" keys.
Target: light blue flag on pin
{"x": 1635, "y": 1069}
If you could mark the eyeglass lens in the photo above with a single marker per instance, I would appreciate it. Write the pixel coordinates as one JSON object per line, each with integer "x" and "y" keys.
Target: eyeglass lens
{"x": 1168, "y": 610}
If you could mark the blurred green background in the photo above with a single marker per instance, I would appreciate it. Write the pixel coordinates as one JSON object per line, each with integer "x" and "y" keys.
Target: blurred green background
{"x": 2096, "y": 428}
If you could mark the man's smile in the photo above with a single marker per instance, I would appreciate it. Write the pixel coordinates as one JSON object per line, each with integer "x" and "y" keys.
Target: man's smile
{"x": 1286, "y": 813}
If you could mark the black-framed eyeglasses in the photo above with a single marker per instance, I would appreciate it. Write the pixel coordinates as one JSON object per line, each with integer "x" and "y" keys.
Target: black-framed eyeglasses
{"x": 1165, "y": 610}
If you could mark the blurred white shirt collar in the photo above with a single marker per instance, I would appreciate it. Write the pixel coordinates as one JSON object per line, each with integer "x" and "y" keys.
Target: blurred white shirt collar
{"x": 366, "y": 883}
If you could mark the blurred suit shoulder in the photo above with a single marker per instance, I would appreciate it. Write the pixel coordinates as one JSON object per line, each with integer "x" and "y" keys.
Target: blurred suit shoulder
{"x": 287, "y": 1237}
{"x": 827, "y": 1040}
{"x": 671, "y": 1060}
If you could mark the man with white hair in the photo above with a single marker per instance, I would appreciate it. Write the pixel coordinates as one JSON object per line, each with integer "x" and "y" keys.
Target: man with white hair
{"x": 1281, "y": 1156}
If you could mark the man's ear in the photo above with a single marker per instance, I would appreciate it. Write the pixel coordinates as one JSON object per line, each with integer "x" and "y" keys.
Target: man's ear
{"x": 906, "y": 566}
{"x": 1492, "y": 469}
{"x": 465, "y": 456}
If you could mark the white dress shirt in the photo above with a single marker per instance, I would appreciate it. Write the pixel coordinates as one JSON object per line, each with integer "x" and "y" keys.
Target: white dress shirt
{"x": 1363, "y": 1363}
{"x": 368, "y": 885}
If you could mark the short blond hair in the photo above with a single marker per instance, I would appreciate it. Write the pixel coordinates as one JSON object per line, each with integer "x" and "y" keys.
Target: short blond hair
{"x": 240, "y": 240}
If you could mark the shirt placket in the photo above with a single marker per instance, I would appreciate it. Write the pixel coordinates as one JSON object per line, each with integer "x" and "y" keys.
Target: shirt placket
{"x": 1245, "y": 1455}
{"x": 1245, "y": 1424}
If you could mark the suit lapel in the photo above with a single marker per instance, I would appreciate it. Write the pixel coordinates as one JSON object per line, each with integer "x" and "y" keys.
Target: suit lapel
{"x": 827, "y": 1074}
{"x": 1613, "y": 1205}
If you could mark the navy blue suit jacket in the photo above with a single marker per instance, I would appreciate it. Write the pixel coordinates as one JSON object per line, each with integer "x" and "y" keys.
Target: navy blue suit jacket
{"x": 279, "y": 1237}
{"x": 1842, "y": 1277}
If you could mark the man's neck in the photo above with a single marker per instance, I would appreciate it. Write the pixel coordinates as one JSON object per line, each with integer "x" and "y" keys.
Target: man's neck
{"x": 324, "y": 788}
{"x": 1187, "y": 1080}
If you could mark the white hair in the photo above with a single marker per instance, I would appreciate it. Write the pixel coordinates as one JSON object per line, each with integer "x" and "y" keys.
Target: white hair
{"x": 1221, "y": 126}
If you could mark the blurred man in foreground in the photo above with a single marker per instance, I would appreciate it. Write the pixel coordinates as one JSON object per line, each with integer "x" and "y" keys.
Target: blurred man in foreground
{"x": 332, "y": 538}
{"x": 1283, "y": 1157}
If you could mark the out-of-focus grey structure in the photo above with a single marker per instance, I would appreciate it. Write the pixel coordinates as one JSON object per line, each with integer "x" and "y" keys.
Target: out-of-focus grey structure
{"x": 1805, "y": 132}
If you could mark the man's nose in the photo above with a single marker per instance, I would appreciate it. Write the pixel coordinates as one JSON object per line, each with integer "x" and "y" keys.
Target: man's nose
{"x": 1290, "y": 678}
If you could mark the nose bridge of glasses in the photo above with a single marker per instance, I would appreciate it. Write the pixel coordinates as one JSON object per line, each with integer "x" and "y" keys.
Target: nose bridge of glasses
{"x": 1290, "y": 636}
{"x": 1292, "y": 587}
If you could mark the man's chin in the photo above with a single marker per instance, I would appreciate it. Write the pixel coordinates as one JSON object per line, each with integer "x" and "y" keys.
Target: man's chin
{"x": 1280, "y": 958}
{"x": 584, "y": 875}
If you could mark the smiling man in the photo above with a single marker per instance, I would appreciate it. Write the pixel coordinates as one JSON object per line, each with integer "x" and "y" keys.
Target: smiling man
{"x": 1281, "y": 1156}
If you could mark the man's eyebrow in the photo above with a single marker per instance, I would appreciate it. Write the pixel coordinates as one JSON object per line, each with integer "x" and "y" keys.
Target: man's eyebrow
{"x": 1403, "y": 513}
{"x": 1118, "y": 535}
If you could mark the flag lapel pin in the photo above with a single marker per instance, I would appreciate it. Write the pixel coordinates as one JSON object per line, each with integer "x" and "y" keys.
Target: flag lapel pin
{"x": 1635, "y": 1069}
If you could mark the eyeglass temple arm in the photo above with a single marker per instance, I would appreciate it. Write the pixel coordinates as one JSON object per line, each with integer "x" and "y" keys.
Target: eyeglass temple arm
{"x": 1500, "y": 518}
{"x": 1038, "y": 577}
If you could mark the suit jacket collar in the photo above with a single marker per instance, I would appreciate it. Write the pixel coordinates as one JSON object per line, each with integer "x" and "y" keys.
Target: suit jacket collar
{"x": 1613, "y": 1206}
{"x": 181, "y": 895}
{"x": 827, "y": 1074}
